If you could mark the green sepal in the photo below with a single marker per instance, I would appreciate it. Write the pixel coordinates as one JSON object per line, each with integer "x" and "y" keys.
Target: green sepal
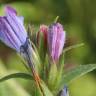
{"x": 60, "y": 68}
{"x": 42, "y": 47}
{"x": 36, "y": 59}
{"x": 52, "y": 76}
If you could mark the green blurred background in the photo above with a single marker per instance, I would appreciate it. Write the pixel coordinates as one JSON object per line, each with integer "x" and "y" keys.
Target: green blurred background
{"x": 79, "y": 20}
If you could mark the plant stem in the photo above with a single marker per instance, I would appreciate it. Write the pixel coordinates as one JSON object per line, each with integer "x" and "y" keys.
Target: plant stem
{"x": 32, "y": 67}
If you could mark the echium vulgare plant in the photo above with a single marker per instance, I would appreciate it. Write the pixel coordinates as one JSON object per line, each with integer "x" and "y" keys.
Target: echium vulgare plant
{"x": 44, "y": 59}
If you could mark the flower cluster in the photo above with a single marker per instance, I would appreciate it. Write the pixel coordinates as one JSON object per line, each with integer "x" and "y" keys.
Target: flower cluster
{"x": 14, "y": 35}
{"x": 54, "y": 37}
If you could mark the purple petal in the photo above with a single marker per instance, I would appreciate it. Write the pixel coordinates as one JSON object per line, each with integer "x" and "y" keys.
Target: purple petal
{"x": 17, "y": 25}
{"x": 12, "y": 31}
{"x": 7, "y": 37}
{"x": 62, "y": 42}
{"x": 59, "y": 44}
{"x": 10, "y": 10}
{"x": 3, "y": 36}
{"x": 21, "y": 19}
{"x": 56, "y": 40}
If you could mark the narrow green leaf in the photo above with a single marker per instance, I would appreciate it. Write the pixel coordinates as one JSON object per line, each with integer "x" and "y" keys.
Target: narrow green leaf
{"x": 42, "y": 47}
{"x": 76, "y": 73}
{"x": 45, "y": 69}
{"x": 16, "y": 75}
{"x": 60, "y": 68}
{"x": 36, "y": 58}
{"x": 37, "y": 91}
{"x": 52, "y": 76}
{"x": 45, "y": 89}
{"x": 72, "y": 47}
{"x": 61, "y": 62}
{"x": 11, "y": 86}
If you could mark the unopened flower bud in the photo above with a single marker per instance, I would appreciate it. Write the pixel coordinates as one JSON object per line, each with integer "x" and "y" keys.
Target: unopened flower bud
{"x": 64, "y": 92}
{"x": 56, "y": 40}
{"x": 44, "y": 30}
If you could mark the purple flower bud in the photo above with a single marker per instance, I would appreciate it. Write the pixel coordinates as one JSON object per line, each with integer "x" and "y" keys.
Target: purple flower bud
{"x": 64, "y": 92}
{"x": 12, "y": 31}
{"x": 56, "y": 40}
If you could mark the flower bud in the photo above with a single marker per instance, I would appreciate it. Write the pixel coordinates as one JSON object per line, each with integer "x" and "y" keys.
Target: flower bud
{"x": 12, "y": 31}
{"x": 64, "y": 92}
{"x": 44, "y": 30}
{"x": 56, "y": 40}
{"x": 42, "y": 41}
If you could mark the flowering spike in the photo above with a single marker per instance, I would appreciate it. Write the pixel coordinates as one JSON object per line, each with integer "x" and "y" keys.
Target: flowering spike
{"x": 56, "y": 40}
{"x": 12, "y": 31}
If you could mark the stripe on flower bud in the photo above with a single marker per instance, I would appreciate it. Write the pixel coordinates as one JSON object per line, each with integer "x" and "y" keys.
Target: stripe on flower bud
{"x": 12, "y": 31}
{"x": 56, "y": 40}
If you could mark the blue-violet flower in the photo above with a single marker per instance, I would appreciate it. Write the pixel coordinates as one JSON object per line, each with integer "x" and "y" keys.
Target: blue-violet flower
{"x": 12, "y": 31}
